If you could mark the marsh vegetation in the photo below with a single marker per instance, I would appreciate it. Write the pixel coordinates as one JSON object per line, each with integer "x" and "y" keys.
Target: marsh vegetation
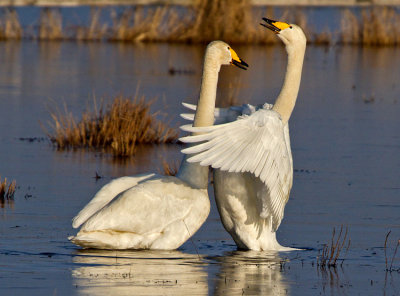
{"x": 7, "y": 191}
{"x": 330, "y": 253}
{"x": 116, "y": 128}
{"x": 236, "y": 23}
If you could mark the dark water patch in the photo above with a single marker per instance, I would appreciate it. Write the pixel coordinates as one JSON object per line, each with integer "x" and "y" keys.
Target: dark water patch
{"x": 33, "y": 139}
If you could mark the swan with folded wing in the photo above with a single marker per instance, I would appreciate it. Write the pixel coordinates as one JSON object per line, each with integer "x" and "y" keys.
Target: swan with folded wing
{"x": 152, "y": 211}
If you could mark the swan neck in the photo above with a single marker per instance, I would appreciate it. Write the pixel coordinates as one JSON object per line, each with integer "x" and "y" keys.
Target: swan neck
{"x": 286, "y": 100}
{"x": 193, "y": 173}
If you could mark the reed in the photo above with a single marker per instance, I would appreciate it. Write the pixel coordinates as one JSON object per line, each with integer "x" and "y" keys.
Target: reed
{"x": 330, "y": 253}
{"x": 389, "y": 268}
{"x": 377, "y": 26}
{"x": 170, "y": 169}
{"x": 207, "y": 20}
{"x": 95, "y": 31}
{"x": 141, "y": 23}
{"x": 117, "y": 128}
{"x": 10, "y": 27}
{"x": 7, "y": 191}
{"x": 50, "y": 24}
{"x": 233, "y": 23}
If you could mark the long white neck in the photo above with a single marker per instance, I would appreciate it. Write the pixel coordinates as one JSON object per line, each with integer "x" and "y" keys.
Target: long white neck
{"x": 286, "y": 100}
{"x": 193, "y": 173}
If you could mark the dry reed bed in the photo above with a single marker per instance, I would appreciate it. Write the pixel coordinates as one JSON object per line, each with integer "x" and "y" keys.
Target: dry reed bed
{"x": 234, "y": 23}
{"x": 118, "y": 128}
{"x": 7, "y": 191}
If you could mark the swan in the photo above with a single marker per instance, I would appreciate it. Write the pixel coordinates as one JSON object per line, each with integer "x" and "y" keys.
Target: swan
{"x": 151, "y": 211}
{"x": 252, "y": 156}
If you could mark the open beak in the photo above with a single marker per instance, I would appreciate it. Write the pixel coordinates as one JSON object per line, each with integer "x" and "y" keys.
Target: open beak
{"x": 238, "y": 62}
{"x": 274, "y": 26}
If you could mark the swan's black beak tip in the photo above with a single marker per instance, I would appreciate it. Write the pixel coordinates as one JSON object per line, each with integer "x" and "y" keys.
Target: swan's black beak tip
{"x": 241, "y": 64}
{"x": 270, "y": 25}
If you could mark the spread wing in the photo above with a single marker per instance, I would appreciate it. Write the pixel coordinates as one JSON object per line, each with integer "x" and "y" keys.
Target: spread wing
{"x": 255, "y": 144}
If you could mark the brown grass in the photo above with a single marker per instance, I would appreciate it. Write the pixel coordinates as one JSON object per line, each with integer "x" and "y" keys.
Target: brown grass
{"x": 10, "y": 27}
{"x": 7, "y": 191}
{"x": 146, "y": 24}
{"x": 118, "y": 128}
{"x": 207, "y": 20}
{"x": 50, "y": 24}
{"x": 376, "y": 26}
{"x": 231, "y": 23}
{"x": 95, "y": 31}
{"x": 330, "y": 253}
{"x": 170, "y": 169}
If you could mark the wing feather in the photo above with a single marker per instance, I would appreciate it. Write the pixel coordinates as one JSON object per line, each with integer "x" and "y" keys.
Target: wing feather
{"x": 105, "y": 195}
{"x": 147, "y": 207}
{"x": 188, "y": 116}
{"x": 257, "y": 144}
{"x": 189, "y": 106}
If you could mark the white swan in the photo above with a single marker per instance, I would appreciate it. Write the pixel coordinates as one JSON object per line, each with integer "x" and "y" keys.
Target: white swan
{"x": 252, "y": 155}
{"x": 152, "y": 211}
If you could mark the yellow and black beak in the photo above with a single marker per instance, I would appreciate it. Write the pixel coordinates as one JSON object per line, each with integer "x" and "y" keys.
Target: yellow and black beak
{"x": 275, "y": 26}
{"x": 238, "y": 62}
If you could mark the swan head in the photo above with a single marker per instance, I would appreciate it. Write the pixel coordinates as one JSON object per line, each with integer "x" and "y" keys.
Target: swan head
{"x": 225, "y": 55}
{"x": 290, "y": 34}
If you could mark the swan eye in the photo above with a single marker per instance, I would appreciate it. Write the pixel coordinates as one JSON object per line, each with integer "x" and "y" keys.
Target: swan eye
{"x": 291, "y": 27}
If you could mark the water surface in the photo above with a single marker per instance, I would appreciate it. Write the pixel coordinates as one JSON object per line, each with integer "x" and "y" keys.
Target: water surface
{"x": 345, "y": 144}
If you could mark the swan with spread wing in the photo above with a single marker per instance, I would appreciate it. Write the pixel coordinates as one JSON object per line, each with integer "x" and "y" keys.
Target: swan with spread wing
{"x": 251, "y": 154}
{"x": 151, "y": 211}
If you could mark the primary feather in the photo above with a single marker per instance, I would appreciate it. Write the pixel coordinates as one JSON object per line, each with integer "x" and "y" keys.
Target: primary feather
{"x": 254, "y": 144}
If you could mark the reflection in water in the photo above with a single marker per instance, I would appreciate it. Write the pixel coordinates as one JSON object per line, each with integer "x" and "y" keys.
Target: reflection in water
{"x": 333, "y": 280}
{"x": 99, "y": 272}
{"x": 251, "y": 273}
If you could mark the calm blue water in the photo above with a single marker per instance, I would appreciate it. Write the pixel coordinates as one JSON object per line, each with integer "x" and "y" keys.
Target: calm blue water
{"x": 345, "y": 144}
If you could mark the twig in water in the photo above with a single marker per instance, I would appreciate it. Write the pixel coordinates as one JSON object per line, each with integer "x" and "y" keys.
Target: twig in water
{"x": 385, "y": 245}
{"x": 390, "y": 268}
{"x": 190, "y": 237}
{"x": 330, "y": 254}
{"x": 394, "y": 255}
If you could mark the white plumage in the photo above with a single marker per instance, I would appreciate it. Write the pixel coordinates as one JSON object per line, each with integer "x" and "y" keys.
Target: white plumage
{"x": 252, "y": 155}
{"x": 152, "y": 211}
{"x": 254, "y": 144}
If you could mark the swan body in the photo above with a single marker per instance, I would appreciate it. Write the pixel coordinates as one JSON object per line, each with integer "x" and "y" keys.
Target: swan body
{"x": 251, "y": 155}
{"x": 151, "y": 211}
{"x": 157, "y": 213}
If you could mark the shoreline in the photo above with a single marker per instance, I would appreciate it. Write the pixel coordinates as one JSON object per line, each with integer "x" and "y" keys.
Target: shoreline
{"x": 320, "y": 3}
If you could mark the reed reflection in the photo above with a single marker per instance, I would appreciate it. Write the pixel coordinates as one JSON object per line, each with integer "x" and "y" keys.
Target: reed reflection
{"x": 251, "y": 273}
{"x": 101, "y": 272}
